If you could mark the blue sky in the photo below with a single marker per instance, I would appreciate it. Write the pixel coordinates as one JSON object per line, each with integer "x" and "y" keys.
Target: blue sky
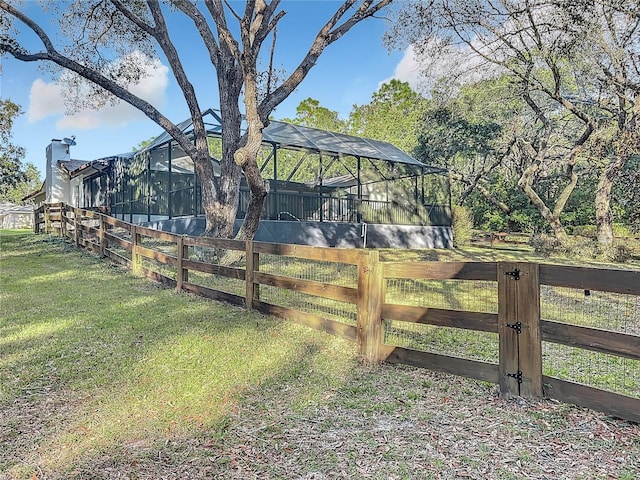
{"x": 347, "y": 73}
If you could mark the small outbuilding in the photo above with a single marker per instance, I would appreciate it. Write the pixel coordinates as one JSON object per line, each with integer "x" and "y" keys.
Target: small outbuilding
{"x": 16, "y": 216}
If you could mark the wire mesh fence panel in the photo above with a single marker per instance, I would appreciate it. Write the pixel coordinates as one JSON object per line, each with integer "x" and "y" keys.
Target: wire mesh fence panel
{"x": 119, "y": 232}
{"x": 159, "y": 267}
{"x": 326, "y": 308}
{"x": 232, "y": 260}
{"x": 217, "y": 282}
{"x": 595, "y": 369}
{"x": 120, "y": 251}
{"x": 462, "y": 295}
{"x": 162, "y": 246}
{"x": 594, "y": 309}
{"x": 467, "y": 295}
{"x": 461, "y": 343}
{"x": 122, "y": 234}
{"x": 313, "y": 270}
{"x": 590, "y": 308}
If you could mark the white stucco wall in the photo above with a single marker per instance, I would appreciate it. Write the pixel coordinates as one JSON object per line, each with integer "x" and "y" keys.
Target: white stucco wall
{"x": 57, "y": 181}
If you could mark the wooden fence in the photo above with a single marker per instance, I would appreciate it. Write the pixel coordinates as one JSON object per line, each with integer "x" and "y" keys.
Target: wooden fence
{"x": 517, "y": 322}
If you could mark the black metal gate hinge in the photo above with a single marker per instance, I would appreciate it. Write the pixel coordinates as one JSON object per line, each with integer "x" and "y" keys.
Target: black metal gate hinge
{"x": 515, "y": 274}
{"x": 516, "y": 326}
{"x": 517, "y": 376}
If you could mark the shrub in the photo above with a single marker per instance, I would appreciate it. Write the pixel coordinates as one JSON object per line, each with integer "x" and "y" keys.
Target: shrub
{"x": 545, "y": 244}
{"x": 619, "y": 252}
{"x": 622, "y": 231}
{"x": 581, "y": 248}
{"x": 578, "y": 247}
{"x": 584, "y": 230}
{"x": 462, "y": 225}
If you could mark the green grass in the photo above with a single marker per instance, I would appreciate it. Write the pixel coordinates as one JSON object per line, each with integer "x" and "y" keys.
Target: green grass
{"x": 135, "y": 361}
{"x": 104, "y": 375}
{"x": 603, "y": 310}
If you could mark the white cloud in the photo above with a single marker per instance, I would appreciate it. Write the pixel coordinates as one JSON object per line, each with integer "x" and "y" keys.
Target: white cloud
{"x": 409, "y": 70}
{"x": 47, "y": 99}
{"x": 457, "y": 64}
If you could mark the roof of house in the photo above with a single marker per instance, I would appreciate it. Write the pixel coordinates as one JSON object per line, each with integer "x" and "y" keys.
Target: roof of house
{"x": 72, "y": 165}
{"x": 77, "y": 167}
{"x": 35, "y": 193}
{"x": 7, "y": 208}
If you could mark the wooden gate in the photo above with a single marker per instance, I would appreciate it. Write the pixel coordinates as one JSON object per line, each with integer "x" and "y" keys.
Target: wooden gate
{"x": 519, "y": 330}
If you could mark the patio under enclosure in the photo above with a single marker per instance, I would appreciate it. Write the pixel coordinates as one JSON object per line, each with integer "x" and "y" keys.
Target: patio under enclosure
{"x": 325, "y": 188}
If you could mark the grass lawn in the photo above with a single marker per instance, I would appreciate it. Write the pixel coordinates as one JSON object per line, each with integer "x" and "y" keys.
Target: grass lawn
{"x": 105, "y": 375}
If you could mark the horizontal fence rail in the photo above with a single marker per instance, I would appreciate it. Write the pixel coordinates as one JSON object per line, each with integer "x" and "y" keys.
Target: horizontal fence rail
{"x": 523, "y": 326}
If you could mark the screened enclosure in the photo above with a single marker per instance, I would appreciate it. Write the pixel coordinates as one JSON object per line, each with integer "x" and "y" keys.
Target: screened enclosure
{"x": 314, "y": 175}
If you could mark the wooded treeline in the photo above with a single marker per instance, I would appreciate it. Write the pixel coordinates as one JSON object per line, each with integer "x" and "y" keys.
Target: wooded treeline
{"x": 532, "y": 106}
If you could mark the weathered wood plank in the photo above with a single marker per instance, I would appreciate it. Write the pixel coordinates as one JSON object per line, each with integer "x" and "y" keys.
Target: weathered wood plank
{"x": 203, "y": 267}
{"x": 252, "y": 259}
{"x": 507, "y": 336}
{"x": 370, "y": 297}
{"x": 318, "y": 289}
{"x": 483, "y": 322}
{"x": 336, "y": 255}
{"x": 213, "y": 294}
{"x": 157, "y": 256}
{"x": 307, "y": 319}
{"x": 136, "y": 258}
{"x": 610, "y": 403}
{"x": 529, "y": 341}
{"x": 221, "y": 243}
{"x": 158, "y": 277}
{"x": 158, "y": 234}
{"x": 88, "y": 213}
{"x": 605, "y": 280}
{"x": 182, "y": 274}
{"x": 102, "y": 240}
{"x": 487, "y": 372}
{"x": 594, "y": 339}
{"x": 118, "y": 241}
{"x": 116, "y": 257}
{"x": 115, "y": 222}
{"x": 441, "y": 270}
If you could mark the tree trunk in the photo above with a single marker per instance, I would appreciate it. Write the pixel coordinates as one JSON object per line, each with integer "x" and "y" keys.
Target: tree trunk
{"x": 552, "y": 218}
{"x": 259, "y": 192}
{"x": 246, "y": 156}
{"x": 604, "y": 218}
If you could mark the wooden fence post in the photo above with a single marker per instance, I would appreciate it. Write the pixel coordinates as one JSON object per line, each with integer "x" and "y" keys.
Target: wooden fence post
{"x": 101, "y": 235}
{"x": 76, "y": 234}
{"x": 252, "y": 262}
{"x": 136, "y": 258}
{"x": 182, "y": 274}
{"x": 530, "y": 342}
{"x": 370, "y": 331}
{"x": 47, "y": 219}
{"x": 519, "y": 330}
{"x": 63, "y": 220}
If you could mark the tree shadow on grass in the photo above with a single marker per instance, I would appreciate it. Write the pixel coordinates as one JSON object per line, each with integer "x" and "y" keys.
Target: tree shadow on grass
{"x": 123, "y": 368}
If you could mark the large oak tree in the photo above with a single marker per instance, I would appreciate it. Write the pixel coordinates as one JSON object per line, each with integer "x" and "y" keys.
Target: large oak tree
{"x": 575, "y": 68}
{"x": 92, "y": 30}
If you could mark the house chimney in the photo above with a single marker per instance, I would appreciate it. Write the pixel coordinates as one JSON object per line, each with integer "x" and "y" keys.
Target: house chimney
{"x": 56, "y": 182}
